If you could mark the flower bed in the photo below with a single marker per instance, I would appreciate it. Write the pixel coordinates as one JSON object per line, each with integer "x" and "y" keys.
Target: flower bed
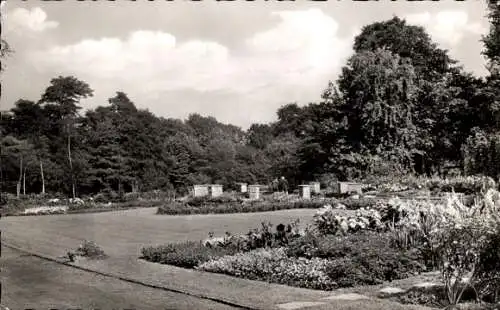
{"x": 187, "y": 254}
{"x": 392, "y": 240}
{"x": 45, "y": 210}
{"x": 273, "y": 265}
{"x": 467, "y": 185}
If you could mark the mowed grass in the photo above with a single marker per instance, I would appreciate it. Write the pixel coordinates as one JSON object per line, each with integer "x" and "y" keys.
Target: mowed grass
{"x": 32, "y": 283}
{"x": 124, "y": 233}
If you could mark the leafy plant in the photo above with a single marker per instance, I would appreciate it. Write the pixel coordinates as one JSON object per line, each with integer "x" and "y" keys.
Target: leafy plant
{"x": 187, "y": 254}
{"x": 91, "y": 250}
{"x": 273, "y": 265}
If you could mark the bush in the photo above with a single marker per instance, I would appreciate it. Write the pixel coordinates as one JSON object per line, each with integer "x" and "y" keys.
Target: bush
{"x": 90, "y": 250}
{"x": 210, "y": 201}
{"x": 45, "y": 210}
{"x": 265, "y": 237}
{"x": 327, "y": 221}
{"x": 365, "y": 258}
{"x": 272, "y": 265}
{"x": 487, "y": 273}
{"x": 178, "y": 208}
{"x": 187, "y": 254}
{"x": 466, "y": 185}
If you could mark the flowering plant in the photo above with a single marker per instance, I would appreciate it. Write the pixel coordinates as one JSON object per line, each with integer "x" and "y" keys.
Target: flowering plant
{"x": 327, "y": 221}
{"x": 273, "y": 265}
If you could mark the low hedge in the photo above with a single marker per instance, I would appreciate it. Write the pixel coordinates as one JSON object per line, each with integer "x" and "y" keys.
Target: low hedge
{"x": 360, "y": 259}
{"x": 261, "y": 206}
{"x": 272, "y": 265}
{"x": 89, "y": 207}
{"x": 187, "y": 254}
{"x": 237, "y": 207}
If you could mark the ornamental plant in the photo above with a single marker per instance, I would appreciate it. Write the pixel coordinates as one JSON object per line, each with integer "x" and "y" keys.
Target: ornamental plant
{"x": 327, "y": 221}
{"x": 273, "y": 265}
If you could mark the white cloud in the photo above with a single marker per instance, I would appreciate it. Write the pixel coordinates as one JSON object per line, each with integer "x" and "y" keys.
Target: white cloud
{"x": 33, "y": 20}
{"x": 446, "y": 27}
{"x": 288, "y": 62}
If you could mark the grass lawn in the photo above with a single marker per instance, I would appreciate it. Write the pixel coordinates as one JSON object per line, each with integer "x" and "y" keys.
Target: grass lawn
{"x": 124, "y": 233}
{"x": 31, "y": 283}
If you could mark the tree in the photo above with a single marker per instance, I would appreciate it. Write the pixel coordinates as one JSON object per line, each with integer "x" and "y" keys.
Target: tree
{"x": 29, "y": 123}
{"x": 12, "y": 147}
{"x": 375, "y": 102}
{"x": 5, "y": 50}
{"x": 259, "y": 135}
{"x": 492, "y": 39}
{"x": 65, "y": 94}
{"x": 407, "y": 41}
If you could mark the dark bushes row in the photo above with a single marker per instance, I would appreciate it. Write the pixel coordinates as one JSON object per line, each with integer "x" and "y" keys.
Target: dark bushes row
{"x": 187, "y": 254}
{"x": 261, "y": 206}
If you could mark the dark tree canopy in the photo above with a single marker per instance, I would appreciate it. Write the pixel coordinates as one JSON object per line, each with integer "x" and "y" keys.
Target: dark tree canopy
{"x": 401, "y": 105}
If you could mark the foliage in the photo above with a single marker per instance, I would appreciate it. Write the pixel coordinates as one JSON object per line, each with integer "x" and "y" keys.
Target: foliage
{"x": 272, "y": 265}
{"x": 492, "y": 40}
{"x": 473, "y": 184}
{"x": 178, "y": 208}
{"x": 187, "y": 254}
{"x": 368, "y": 123}
{"x": 360, "y": 259}
{"x": 327, "y": 221}
{"x": 460, "y": 248}
{"x": 45, "y": 210}
{"x": 482, "y": 153}
{"x": 206, "y": 201}
{"x": 263, "y": 237}
{"x": 90, "y": 250}
{"x": 487, "y": 273}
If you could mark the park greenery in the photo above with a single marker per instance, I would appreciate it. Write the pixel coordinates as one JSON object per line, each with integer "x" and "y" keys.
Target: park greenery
{"x": 391, "y": 240}
{"x": 402, "y": 117}
{"x": 401, "y": 106}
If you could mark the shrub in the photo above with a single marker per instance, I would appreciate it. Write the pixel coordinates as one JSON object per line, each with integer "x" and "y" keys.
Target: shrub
{"x": 178, "y": 208}
{"x": 258, "y": 238}
{"x": 187, "y": 254}
{"x": 272, "y": 265}
{"x": 365, "y": 258}
{"x": 207, "y": 200}
{"x": 328, "y": 221}
{"x": 487, "y": 273}
{"x": 45, "y": 210}
{"x": 90, "y": 250}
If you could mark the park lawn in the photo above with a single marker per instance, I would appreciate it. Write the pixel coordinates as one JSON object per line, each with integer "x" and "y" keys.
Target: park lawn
{"x": 124, "y": 233}
{"x": 32, "y": 283}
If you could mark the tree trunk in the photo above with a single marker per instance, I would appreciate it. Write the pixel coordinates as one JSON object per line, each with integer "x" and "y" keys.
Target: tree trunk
{"x": 24, "y": 182}
{"x": 18, "y": 187}
{"x": 41, "y": 174}
{"x": 71, "y": 164}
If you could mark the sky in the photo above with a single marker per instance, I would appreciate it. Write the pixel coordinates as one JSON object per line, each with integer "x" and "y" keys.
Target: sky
{"x": 238, "y": 61}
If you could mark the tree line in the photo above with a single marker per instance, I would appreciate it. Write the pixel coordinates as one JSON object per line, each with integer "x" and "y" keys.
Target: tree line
{"x": 401, "y": 105}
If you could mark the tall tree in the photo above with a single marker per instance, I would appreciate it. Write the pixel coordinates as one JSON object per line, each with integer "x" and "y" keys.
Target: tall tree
{"x": 20, "y": 149}
{"x": 29, "y": 123}
{"x": 5, "y": 50}
{"x": 65, "y": 94}
{"x": 492, "y": 39}
{"x": 375, "y": 105}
